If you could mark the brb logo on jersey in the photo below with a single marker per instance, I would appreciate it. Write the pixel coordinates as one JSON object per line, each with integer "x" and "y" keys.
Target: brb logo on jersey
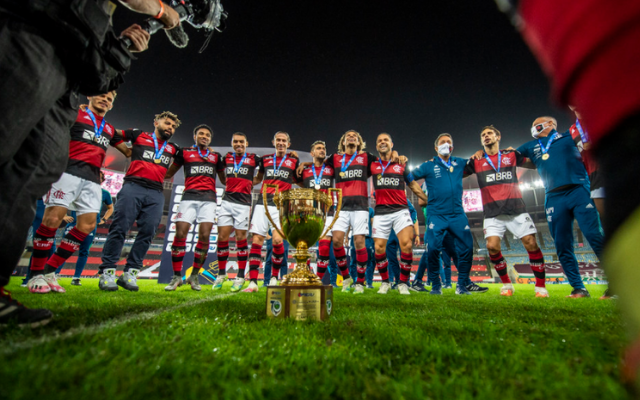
{"x": 354, "y": 173}
{"x": 499, "y": 176}
{"x": 148, "y": 155}
{"x": 241, "y": 171}
{"x": 280, "y": 174}
{"x": 323, "y": 182}
{"x": 389, "y": 181}
{"x": 203, "y": 169}
{"x": 90, "y": 136}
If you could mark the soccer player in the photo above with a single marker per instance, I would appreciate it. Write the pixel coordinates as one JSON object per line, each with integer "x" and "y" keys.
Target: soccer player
{"x": 85, "y": 247}
{"x": 320, "y": 176}
{"x": 351, "y": 171}
{"x": 235, "y": 208}
{"x": 140, "y": 200}
{"x": 504, "y": 209}
{"x": 443, "y": 177}
{"x": 566, "y": 184}
{"x": 78, "y": 188}
{"x": 276, "y": 169}
{"x": 392, "y": 213}
{"x": 198, "y": 203}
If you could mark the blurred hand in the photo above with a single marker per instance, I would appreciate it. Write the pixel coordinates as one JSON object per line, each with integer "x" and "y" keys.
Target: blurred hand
{"x": 170, "y": 18}
{"x": 477, "y": 155}
{"x": 139, "y": 38}
{"x": 68, "y": 219}
{"x": 416, "y": 241}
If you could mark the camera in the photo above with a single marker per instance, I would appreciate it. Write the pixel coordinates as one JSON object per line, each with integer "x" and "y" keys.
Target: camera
{"x": 201, "y": 14}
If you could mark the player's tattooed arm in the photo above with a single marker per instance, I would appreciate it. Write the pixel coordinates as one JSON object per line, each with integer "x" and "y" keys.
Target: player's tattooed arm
{"x": 415, "y": 188}
{"x": 301, "y": 167}
{"x": 124, "y": 149}
{"x": 172, "y": 171}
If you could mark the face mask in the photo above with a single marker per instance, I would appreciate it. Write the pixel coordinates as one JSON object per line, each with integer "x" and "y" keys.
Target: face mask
{"x": 444, "y": 149}
{"x": 537, "y": 129}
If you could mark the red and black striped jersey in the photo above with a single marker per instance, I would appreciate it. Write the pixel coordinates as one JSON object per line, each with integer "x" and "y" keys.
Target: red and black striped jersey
{"x": 199, "y": 173}
{"x": 284, "y": 178}
{"x": 587, "y": 157}
{"x": 354, "y": 181}
{"x": 143, "y": 170}
{"x": 86, "y": 153}
{"x": 389, "y": 187}
{"x": 500, "y": 190}
{"x": 240, "y": 183}
{"x": 326, "y": 181}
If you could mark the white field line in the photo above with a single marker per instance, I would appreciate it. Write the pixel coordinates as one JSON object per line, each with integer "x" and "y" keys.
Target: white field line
{"x": 93, "y": 329}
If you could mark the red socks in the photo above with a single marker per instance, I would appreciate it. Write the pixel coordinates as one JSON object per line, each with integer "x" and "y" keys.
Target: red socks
{"x": 536, "y": 261}
{"x": 242, "y": 252}
{"x": 406, "y": 259}
{"x": 178, "y": 249}
{"x": 254, "y": 261}
{"x": 223, "y": 257}
{"x": 323, "y": 257}
{"x": 341, "y": 260}
{"x": 277, "y": 259}
{"x": 361, "y": 259}
{"x": 43, "y": 240}
{"x": 382, "y": 264}
{"x": 200, "y": 254}
{"x": 69, "y": 245}
{"x": 501, "y": 266}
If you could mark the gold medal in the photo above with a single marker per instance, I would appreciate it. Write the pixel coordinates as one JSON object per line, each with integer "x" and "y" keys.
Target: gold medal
{"x": 545, "y": 156}
{"x": 450, "y": 169}
{"x": 342, "y": 174}
{"x": 235, "y": 174}
{"x": 157, "y": 160}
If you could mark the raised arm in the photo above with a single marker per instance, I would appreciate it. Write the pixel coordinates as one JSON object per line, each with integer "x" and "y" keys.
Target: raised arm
{"x": 415, "y": 188}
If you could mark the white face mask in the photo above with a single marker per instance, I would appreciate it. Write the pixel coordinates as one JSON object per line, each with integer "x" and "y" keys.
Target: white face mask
{"x": 536, "y": 130}
{"x": 444, "y": 149}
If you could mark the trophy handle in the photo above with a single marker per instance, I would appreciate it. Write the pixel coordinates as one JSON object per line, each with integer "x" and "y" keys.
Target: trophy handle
{"x": 338, "y": 208}
{"x": 276, "y": 198}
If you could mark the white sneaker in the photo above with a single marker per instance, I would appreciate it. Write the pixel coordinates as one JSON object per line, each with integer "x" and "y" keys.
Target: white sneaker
{"x": 346, "y": 285}
{"x": 541, "y": 292}
{"x": 176, "y": 281}
{"x": 220, "y": 280}
{"x": 384, "y": 288}
{"x": 52, "y": 280}
{"x": 273, "y": 281}
{"x": 252, "y": 288}
{"x": 193, "y": 281}
{"x": 403, "y": 288}
{"x": 37, "y": 284}
{"x": 507, "y": 290}
{"x": 359, "y": 289}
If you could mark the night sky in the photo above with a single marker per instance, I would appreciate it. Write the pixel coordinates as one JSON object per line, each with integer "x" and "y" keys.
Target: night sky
{"x": 316, "y": 69}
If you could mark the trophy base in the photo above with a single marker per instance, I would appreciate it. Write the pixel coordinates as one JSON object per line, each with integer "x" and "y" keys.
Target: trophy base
{"x": 302, "y": 302}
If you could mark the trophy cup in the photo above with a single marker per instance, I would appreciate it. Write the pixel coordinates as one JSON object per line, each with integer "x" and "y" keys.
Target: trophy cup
{"x": 301, "y": 294}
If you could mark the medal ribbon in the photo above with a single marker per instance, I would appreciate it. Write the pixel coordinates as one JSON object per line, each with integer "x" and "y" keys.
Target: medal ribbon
{"x": 236, "y": 167}
{"x": 384, "y": 167}
{"x": 158, "y": 153}
{"x": 491, "y": 162}
{"x": 583, "y": 133}
{"x": 551, "y": 139}
{"x": 98, "y": 131}
{"x": 317, "y": 179}
{"x": 343, "y": 168}
{"x": 275, "y": 171}
{"x": 206, "y": 156}
{"x": 448, "y": 164}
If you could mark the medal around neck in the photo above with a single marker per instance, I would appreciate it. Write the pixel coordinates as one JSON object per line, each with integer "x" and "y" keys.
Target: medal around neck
{"x": 301, "y": 294}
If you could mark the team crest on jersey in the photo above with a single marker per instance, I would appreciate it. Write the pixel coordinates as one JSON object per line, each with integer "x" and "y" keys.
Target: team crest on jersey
{"x": 397, "y": 168}
{"x": 506, "y": 161}
{"x": 288, "y": 163}
{"x": 328, "y": 171}
{"x": 359, "y": 160}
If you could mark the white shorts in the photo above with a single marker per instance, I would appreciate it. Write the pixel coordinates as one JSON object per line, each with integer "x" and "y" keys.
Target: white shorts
{"x": 234, "y": 214}
{"x": 598, "y": 193}
{"x": 260, "y": 223}
{"x": 327, "y": 223}
{"x": 75, "y": 194}
{"x": 382, "y": 224}
{"x": 357, "y": 220}
{"x": 191, "y": 211}
{"x": 520, "y": 225}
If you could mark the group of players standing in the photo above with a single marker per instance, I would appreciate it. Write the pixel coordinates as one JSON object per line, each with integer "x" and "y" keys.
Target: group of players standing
{"x": 154, "y": 159}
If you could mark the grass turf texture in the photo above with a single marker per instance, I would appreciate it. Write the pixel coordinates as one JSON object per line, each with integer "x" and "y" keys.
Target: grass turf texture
{"x": 201, "y": 345}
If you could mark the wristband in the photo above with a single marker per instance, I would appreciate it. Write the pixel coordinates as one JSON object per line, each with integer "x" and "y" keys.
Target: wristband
{"x": 161, "y": 13}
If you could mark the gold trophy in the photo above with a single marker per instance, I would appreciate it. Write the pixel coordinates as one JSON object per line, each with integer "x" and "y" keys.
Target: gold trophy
{"x": 301, "y": 294}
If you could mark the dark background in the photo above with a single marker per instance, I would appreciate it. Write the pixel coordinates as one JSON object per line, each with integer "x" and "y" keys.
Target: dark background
{"x": 316, "y": 69}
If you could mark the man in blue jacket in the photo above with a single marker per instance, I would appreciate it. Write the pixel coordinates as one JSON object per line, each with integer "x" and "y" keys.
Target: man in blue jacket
{"x": 443, "y": 177}
{"x": 566, "y": 185}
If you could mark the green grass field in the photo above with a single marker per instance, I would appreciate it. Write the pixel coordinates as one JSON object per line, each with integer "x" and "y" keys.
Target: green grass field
{"x": 190, "y": 345}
